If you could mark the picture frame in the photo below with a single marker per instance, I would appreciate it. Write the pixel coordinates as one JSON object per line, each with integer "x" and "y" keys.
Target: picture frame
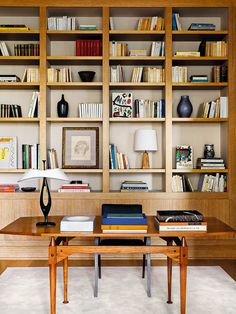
{"x": 8, "y": 152}
{"x": 80, "y": 147}
{"x": 184, "y": 157}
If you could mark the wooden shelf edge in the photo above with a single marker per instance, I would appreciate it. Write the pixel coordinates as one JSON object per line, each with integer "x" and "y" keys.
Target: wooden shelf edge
{"x": 200, "y": 170}
{"x": 135, "y": 31}
{"x": 133, "y": 170}
{"x": 19, "y": 120}
{"x": 124, "y": 120}
{"x": 205, "y": 120}
{"x": 65, "y": 120}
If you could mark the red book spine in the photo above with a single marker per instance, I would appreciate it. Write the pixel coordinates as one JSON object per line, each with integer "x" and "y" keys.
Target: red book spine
{"x": 82, "y": 48}
{"x": 100, "y": 48}
{"x": 89, "y": 48}
{"x": 78, "y": 47}
{"x": 97, "y": 48}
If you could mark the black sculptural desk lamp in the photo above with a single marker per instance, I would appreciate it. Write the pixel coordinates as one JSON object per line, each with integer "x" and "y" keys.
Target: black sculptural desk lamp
{"x": 56, "y": 174}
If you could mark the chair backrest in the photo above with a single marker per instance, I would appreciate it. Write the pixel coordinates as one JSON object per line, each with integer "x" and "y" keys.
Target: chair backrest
{"x": 121, "y": 208}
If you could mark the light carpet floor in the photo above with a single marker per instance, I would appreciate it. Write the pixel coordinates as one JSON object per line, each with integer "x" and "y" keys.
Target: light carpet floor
{"x": 121, "y": 291}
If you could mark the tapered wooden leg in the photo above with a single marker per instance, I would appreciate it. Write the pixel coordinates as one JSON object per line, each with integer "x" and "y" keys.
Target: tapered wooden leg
{"x": 169, "y": 275}
{"x": 148, "y": 269}
{"x": 65, "y": 276}
{"x": 183, "y": 275}
{"x": 53, "y": 275}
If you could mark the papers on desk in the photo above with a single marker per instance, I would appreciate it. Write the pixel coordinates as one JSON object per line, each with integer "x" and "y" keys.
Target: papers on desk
{"x": 77, "y": 223}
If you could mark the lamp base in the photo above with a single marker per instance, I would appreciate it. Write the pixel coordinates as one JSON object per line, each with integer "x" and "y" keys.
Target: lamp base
{"x": 145, "y": 161}
{"x": 45, "y": 224}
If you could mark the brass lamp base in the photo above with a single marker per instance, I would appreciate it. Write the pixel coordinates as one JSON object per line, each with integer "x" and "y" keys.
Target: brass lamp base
{"x": 145, "y": 162}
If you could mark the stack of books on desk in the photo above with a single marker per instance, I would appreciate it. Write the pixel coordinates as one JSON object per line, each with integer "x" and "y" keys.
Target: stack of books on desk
{"x": 180, "y": 220}
{"x": 77, "y": 187}
{"x": 124, "y": 223}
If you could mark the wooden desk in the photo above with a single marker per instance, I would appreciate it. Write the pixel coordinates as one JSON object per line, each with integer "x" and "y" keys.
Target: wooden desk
{"x": 59, "y": 249}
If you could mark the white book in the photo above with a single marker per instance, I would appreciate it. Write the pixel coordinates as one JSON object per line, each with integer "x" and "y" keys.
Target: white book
{"x": 31, "y": 105}
{"x": 112, "y": 23}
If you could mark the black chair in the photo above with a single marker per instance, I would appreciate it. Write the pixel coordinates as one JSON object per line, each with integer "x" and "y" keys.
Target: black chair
{"x": 121, "y": 209}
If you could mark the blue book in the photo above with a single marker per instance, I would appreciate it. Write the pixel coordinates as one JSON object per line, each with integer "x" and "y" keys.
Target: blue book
{"x": 163, "y": 108}
{"x": 124, "y": 221}
{"x": 174, "y": 23}
{"x": 113, "y": 156}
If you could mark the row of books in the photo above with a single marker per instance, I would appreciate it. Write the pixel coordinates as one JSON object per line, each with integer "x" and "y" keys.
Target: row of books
{"x": 180, "y": 220}
{"x": 117, "y": 73}
{"x": 31, "y": 75}
{"x": 146, "y": 108}
{"x": 59, "y": 75}
{"x": 10, "y": 111}
{"x": 210, "y": 163}
{"x": 75, "y": 188}
{"x": 3, "y": 49}
{"x": 91, "y": 110}
{"x": 220, "y": 73}
{"x": 62, "y": 23}
{"x": 88, "y": 47}
{"x": 118, "y": 49}
{"x": 52, "y": 160}
{"x": 212, "y": 183}
{"x": 216, "y": 49}
{"x": 9, "y": 188}
{"x": 181, "y": 183}
{"x": 26, "y": 50}
{"x": 179, "y": 74}
{"x": 154, "y": 23}
{"x": 158, "y": 48}
{"x": 30, "y": 156}
{"x": 117, "y": 160}
{"x": 153, "y": 75}
{"x": 134, "y": 186}
{"x": 214, "y": 109}
{"x": 176, "y": 24}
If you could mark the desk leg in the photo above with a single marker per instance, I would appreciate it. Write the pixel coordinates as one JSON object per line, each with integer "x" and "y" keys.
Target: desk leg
{"x": 96, "y": 270}
{"x": 65, "y": 276}
{"x": 53, "y": 275}
{"x": 169, "y": 274}
{"x": 183, "y": 275}
{"x": 148, "y": 269}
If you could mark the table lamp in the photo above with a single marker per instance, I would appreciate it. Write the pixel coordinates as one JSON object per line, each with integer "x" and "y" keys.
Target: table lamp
{"x": 45, "y": 174}
{"x": 145, "y": 140}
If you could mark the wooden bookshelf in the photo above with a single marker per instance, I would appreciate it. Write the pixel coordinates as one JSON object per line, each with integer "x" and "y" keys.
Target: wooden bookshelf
{"x": 200, "y": 120}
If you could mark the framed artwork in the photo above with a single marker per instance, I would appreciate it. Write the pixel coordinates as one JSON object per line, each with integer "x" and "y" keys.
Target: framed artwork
{"x": 80, "y": 147}
{"x": 184, "y": 157}
{"x": 8, "y": 152}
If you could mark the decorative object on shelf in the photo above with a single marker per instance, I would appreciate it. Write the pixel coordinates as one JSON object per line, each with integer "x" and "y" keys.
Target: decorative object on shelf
{"x": 86, "y": 76}
{"x": 145, "y": 140}
{"x": 28, "y": 189}
{"x": 8, "y": 152}
{"x": 209, "y": 151}
{"x": 62, "y": 107}
{"x": 80, "y": 148}
{"x": 122, "y": 105}
{"x": 45, "y": 174}
{"x": 185, "y": 107}
{"x": 184, "y": 157}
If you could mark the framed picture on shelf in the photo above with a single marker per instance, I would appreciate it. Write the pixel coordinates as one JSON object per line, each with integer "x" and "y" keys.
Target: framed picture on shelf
{"x": 184, "y": 157}
{"x": 8, "y": 152}
{"x": 122, "y": 105}
{"x": 80, "y": 147}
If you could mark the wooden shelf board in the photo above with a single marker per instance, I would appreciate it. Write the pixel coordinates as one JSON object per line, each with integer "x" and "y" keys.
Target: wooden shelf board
{"x": 147, "y": 58}
{"x": 199, "y": 170}
{"x": 19, "y": 35}
{"x": 189, "y": 32}
{"x": 75, "y": 85}
{"x": 189, "y": 85}
{"x": 18, "y": 85}
{"x": 74, "y": 60}
{"x": 186, "y": 35}
{"x": 14, "y": 60}
{"x": 137, "y": 170}
{"x": 134, "y": 31}
{"x": 197, "y": 60}
{"x": 77, "y": 32}
{"x": 67, "y": 120}
{"x": 73, "y": 35}
{"x": 19, "y": 120}
{"x": 141, "y": 85}
{"x": 136, "y": 120}
{"x": 200, "y": 120}
{"x": 13, "y": 170}
{"x": 83, "y": 170}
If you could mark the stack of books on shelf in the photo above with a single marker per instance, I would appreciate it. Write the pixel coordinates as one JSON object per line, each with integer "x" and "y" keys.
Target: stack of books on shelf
{"x": 117, "y": 160}
{"x": 181, "y": 183}
{"x": 214, "y": 109}
{"x": 153, "y": 75}
{"x": 52, "y": 158}
{"x": 75, "y": 188}
{"x": 212, "y": 183}
{"x": 30, "y": 156}
{"x": 9, "y": 188}
{"x": 146, "y": 108}
{"x": 202, "y": 27}
{"x": 87, "y": 27}
{"x": 63, "y": 75}
{"x": 34, "y": 105}
{"x": 3, "y": 49}
{"x": 9, "y": 78}
{"x": 10, "y": 111}
{"x": 199, "y": 78}
{"x": 124, "y": 223}
{"x": 117, "y": 73}
{"x": 31, "y": 75}
{"x": 62, "y": 23}
{"x": 179, "y": 74}
{"x": 134, "y": 186}
{"x": 180, "y": 220}
{"x": 90, "y": 110}
{"x": 8, "y": 149}
{"x": 220, "y": 73}
{"x": 216, "y": 49}
{"x": 210, "y": 163}
{"x": 118, "y": 49}
{"x": 187, "y": 54}
{"x": 88, "y": 47}
{"x": 158, "y": 48}
{"x": 13, "y": 27}
{"x": 122, "y": 105}
{"x": 154, "y": 23}
{"x": 176, "y": 25}
{"x": 26, "y": 50}
{"x": 137, "y": 53}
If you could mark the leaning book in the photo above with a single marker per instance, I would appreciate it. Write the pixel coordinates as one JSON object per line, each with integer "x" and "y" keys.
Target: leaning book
{"x": 8, "y": 152}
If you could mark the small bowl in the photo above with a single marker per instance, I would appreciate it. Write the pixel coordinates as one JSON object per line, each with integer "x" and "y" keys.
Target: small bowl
{"x": 86, "y": 76}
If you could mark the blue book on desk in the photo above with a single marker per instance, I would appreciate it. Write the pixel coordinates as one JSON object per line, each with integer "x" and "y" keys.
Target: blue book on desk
{"x": 124, "y": 221}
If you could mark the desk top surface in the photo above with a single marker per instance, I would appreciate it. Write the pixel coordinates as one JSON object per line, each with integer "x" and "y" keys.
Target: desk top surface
{"x": 27, "y": 226}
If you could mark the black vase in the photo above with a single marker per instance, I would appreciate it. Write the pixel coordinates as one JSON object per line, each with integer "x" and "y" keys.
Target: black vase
{"x": 185, "y": 107}
{"x": 62, "y": 107}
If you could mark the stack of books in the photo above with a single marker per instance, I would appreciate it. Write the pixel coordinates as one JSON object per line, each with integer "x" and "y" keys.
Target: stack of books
{"x": 137, "y": 53}
{"x": 216, "y": 49}
{"x": 3, "y": 49}
{"x": 117, "y": 160}
{"x": 176, "y": 25}
{"x": 181, "y": 183}
{"x": 9, "y": 78}
{"x": 9, "y": 188}
{"x": 214, "y": 109}
{"x": 179, "y": 74}
{"x": 52, "y": 159}
{"x": 180, "y": 220}
{"x": 202, "y": 27}
{"x": 153, "y": 75}
{"x": 146, "y": 108}
{"x": 13, "y": 27}
{"x": 26, "y": 49}
{"x": 90, "y": 110}
{"x": 124, "y": 223}
{"x": 117, "y": 73}
{"x": 31, "y": 75}
{"x": 211, "y": 163}
{"x": 62, "y": 23}
{"x": 158, "y": 48}
{"x": 30, "y": 156}
{"x": 34, "y": 105}
{"x": 88, "y": 47}
{"x": 199, "y": 78}
{"x": 154, "y": 23}
{"x": 187, "y": 54}
{"x": 87, "y": 27}
{"x": 59, "y": 75}
{"x": 75, "y": 188}
{"x": 212, "y": 183}
{"x": 10, "y": 111}
{"x": 118, "y": 49}
{"x": 134, "y": 186}
{"x": 220, "y": 73}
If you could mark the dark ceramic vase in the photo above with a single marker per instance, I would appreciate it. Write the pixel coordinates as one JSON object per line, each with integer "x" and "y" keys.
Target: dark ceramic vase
{"x": 185, "y": 107}
{"x": 62, "y": 107}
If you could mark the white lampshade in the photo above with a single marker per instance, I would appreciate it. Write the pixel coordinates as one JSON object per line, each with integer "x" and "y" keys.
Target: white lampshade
{"x": 56, "y": 174}
{"x": 145, "y": 140}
